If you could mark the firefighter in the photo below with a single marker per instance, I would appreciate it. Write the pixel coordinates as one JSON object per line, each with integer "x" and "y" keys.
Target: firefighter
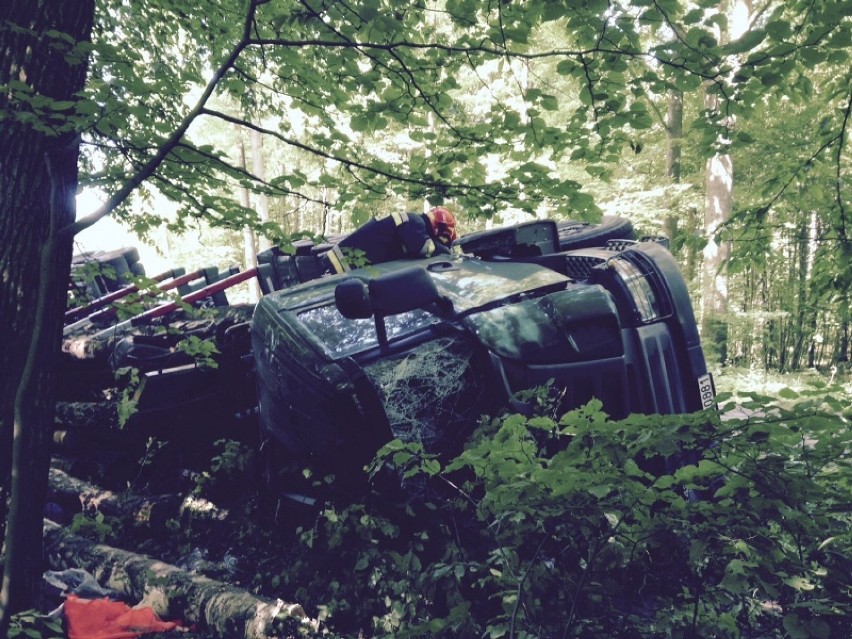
{"x": 403, "y": 235}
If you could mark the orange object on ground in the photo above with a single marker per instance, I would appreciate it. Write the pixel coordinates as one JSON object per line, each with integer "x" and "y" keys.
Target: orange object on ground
{"x": 105, "y": 619}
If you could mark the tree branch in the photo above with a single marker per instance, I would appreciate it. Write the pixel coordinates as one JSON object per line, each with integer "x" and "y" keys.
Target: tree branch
{"x": 235, "y": 171}
{"x": 492, "y": 51}
{"x": 351, "y": 164}
{"x": 148, "y": 169}
{"x": 404, "y": 73}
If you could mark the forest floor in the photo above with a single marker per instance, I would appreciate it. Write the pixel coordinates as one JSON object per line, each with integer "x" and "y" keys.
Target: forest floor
{"x": 224, "y": 519}
{"x": 231, "y": 522}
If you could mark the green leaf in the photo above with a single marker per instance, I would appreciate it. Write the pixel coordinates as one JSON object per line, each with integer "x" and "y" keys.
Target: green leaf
{"x": 749, "y": 41}
{"x": 600, "y": 491}
{"x": 779, "y": 29}
{"x": 553, "y": 11}
{"x": 825, "y": 543}
{"x": 61, "y": 105}
{"x": 840, "y": 38}
{"x": 799, "y": 583}
{"x": 632, "y": 469}
{"x": 432, "y": 467}
{"x": 794, "y": 627}
{"x": 566, "y": 67}
{"x": 360, "y": 123}
{"x": 819, "y": 628}
{"x": 664, "y": 482}
{"x": 549, "y": 102}
{"x": 693, "y": 17}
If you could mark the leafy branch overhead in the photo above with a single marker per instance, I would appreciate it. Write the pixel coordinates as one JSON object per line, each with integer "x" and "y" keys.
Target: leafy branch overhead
{"x": 493, "y": 105}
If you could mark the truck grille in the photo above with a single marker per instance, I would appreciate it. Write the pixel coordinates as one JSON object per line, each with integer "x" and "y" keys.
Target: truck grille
{"x": 579, "y": 267}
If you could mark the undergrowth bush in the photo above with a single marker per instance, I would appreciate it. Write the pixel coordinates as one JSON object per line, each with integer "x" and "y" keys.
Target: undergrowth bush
{"x": 30, "y": 624}
{"x": 583, "y": 526}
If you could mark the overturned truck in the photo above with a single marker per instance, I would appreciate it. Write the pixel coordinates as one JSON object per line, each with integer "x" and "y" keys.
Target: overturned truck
{"x": 414, "y": 349}
{"x": 419, "y": 350}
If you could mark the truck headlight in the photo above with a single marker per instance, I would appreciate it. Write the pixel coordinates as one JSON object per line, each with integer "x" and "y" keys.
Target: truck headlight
{"x": 640, "y": 289}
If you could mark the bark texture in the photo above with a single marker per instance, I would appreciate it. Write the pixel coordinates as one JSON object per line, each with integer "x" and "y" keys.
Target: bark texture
{"x": 215, "y": 607}
{"x": 39, "y": 145}
{"x": 74, "y": 495}
{"x": 674, "y": 134}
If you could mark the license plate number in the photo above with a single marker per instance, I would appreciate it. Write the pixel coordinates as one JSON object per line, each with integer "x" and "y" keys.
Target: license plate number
{"x": 705, "y": 390}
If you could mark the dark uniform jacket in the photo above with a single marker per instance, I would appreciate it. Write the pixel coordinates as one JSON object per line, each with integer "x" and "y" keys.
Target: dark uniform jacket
{"x": 395, "y": 237}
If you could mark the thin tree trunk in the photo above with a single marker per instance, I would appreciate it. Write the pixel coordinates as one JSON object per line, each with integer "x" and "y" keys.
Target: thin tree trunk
{"x": 718, "y": 206}
{"x": 258, "y": 165}
{"x": 674, "y": 134}
{"x": 805, "y": 313}
{"x": 249, "y": 239}
{"x": 842, "y": 355}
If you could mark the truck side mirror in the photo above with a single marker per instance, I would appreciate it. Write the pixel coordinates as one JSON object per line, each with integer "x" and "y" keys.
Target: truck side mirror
{"x": 352, "y": 299}
{"x": 402, "y": 291}
{"x": 389, "y": 294}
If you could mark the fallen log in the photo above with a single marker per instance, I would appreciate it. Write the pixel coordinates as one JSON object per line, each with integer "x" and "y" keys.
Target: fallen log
{"x": 74, "y": 495}
{"x": 214, "y": 607}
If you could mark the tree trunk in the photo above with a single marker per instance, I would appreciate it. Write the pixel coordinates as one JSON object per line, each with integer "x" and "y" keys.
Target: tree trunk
{"x": 215, "y": 607}
{"x": 249, "y": 239}
{"x": 842, "y": 355}
{"x": 38, "y": 183}
{"x": 674, "y": 134}
{"x": 258, "y": 165}
{"x": 714, "y": 284}
{"x": 718, "y": 206}
{"x": 805, "y": 327}
{"x": 74, "y": 495}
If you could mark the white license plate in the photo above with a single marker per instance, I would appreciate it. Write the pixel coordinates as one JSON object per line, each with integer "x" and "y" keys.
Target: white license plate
{"x": 706, "y": 391}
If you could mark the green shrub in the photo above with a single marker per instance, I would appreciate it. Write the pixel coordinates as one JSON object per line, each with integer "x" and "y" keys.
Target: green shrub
{"x": 651, "y": 526}
{"x": 29, "y": 624}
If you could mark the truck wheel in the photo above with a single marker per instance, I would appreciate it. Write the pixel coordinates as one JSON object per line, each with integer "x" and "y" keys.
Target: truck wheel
{"x": 120, "y": 274}
{"x": 576, "y": 235}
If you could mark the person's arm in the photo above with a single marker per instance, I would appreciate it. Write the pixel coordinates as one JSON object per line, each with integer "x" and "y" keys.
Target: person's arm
{"x": 441, "y": 249}
{"x": 417, "y": 240}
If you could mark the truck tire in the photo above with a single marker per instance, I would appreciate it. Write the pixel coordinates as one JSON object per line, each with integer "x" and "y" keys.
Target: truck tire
{"x": 575, "y": 235}
{"x": 121, "y": 273}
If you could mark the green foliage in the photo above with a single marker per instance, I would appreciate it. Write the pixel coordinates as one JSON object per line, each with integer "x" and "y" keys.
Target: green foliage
{"x": 94, "y": 527}
{"x": 477, "y": 103}
{"x": 355, "y": 258}
{"x": 153, "y": 447}
{"x": 29, "y": 624}
{"x": 128, "y": 401}
{"x": 581, "y": 526}
{"x": 200, "y": 349}
{"x": 502, "y": 111}
{"x": 84, "y": 279}
{"x": 228, "y": 469}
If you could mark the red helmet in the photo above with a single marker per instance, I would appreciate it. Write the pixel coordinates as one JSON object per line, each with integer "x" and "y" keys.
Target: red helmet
{"x": 443, "y": 224}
